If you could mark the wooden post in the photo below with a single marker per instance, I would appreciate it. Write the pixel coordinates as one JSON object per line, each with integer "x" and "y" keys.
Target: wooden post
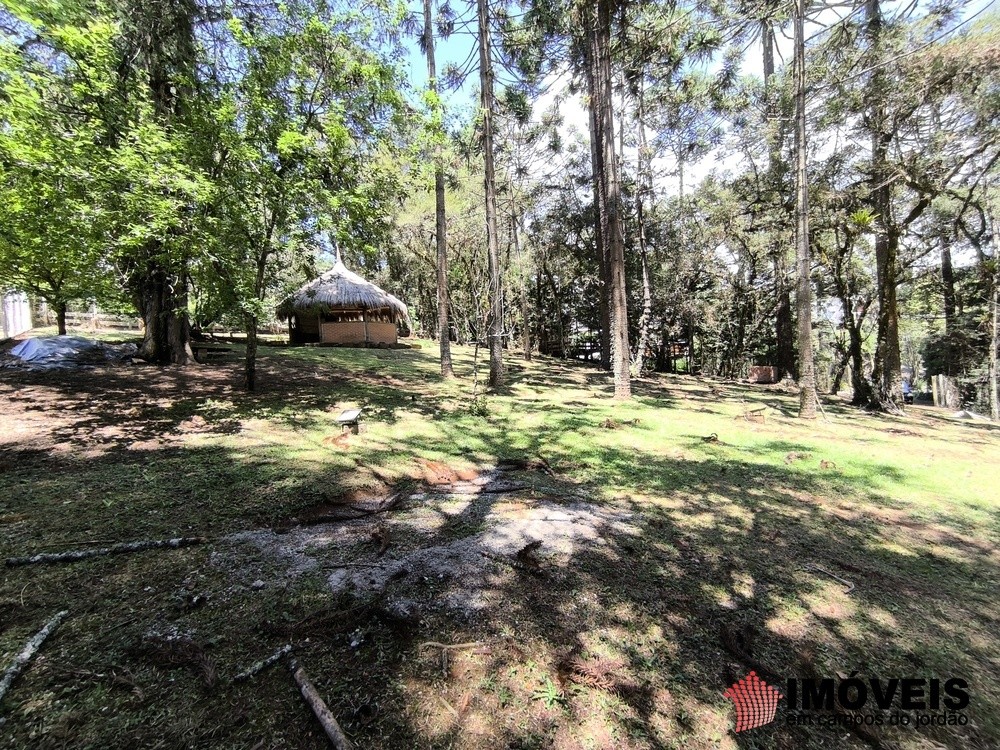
{"x": 364, "y": 317}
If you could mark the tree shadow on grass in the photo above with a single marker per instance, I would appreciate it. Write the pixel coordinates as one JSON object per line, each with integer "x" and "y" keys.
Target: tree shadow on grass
{"x": 702, "y": 579}
{"x": 108, "y": 409}
{"x": 720, "y": 578}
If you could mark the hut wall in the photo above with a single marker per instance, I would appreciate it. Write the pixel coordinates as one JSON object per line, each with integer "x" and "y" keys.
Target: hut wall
{"x": 348, "y": 332}
{"x": 353, "y": 332}
{"x": 382, "y": 333}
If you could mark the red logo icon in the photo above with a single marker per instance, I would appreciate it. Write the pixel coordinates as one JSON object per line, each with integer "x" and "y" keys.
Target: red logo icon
{"x": 756, "y": 702}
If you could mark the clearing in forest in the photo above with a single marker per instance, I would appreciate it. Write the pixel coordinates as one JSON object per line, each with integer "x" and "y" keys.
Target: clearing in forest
{"x": 609, "y": 569}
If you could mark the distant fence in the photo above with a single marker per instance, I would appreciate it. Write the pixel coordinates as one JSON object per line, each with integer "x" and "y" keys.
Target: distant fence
{"x": 97, "y": 320}
{"x": 15, "y": 314}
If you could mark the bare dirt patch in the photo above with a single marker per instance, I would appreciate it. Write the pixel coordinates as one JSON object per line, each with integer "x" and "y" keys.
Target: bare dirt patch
{"x": 452, "y": 547}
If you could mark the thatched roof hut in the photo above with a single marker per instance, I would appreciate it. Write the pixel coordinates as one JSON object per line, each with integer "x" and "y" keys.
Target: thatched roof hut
{"x": 340, "y": 307}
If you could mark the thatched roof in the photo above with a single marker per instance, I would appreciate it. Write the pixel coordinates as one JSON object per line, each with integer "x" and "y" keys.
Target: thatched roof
{"x": 340, "y": 289}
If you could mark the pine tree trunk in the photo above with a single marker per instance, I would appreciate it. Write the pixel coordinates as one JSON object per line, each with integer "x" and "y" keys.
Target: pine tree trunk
{"x": 612, "y": 220}
{"x": 803, "y": 296}
{"x": 440, "y": 213}
{"x": 644, "y": 186}
{"x": 515, "y": 229}
{"x": 888, "y": 393}
{"x": 784, "y": 327}
{"x": 600, "y": 198}
{"x": 495, "y": 322}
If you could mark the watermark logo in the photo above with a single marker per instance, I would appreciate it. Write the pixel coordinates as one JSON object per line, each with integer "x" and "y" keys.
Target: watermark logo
{"x": 756, "y": 702}
{"x": 852, "y": 701}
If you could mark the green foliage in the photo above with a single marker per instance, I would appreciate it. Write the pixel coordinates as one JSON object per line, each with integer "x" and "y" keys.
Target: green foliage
{"x": 111, "y": 169}
{"x": 550, "y": 694}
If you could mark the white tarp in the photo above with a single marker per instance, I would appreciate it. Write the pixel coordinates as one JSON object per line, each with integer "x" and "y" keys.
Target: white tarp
{"x": 70, "y": 351}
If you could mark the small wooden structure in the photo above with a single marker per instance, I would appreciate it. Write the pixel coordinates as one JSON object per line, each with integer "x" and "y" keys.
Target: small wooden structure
{"x": 764, "y": 374}
{"x": 342, "y": 308}
{"x": 350, "y": 420}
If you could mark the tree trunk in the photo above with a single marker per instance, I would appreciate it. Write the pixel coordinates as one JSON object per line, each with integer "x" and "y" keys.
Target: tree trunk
{"x": 784, "y": 325}
{"x": 515, "y": 228}
{"x": 862, "y": 389}
{"x": 164, "y": 311}
{"x": 838, "y": 371}
{"x": 160, "y": 45}
{"x": 947, "y": 287}
{"x": 440, "y": 214}
{"x": 250, "y": 363}
{"x": 784, "y": 328}
{"x": 803, "y": 296}
{"x": 948, "y": 298}
{"x": 495, "y": 322}
{"x": 643, "y": 186}
{"x": 994, "y": 344}
{"x": 61, "y": 317}
{"x": 600, "y": 197}
{"x": 612, "y": 220}
{"x": 887, "y": 372}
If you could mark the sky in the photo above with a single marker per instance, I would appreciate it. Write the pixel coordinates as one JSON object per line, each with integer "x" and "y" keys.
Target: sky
{"x": 460, "y": 49}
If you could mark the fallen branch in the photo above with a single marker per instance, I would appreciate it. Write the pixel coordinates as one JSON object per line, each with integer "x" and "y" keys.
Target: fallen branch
{"x": 263, "y": 664}
{"x": 739, "y": 643}
{"x": 467, "y": 489}
{"x": 389, "y": 503}
{"x": 28, "y": 652}
{"x": 319, "y": 707}
{"x": 503, "y": 487}
{"x": 451, "y": 708}
{"x": 850, "y": 586}
{"x": 116, "y": 549}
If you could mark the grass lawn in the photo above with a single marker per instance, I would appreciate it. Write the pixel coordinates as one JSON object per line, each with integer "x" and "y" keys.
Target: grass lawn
{"x": 680, "y": 565}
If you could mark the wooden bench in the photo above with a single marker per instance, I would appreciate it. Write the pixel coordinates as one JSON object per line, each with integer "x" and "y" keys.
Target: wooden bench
{"x": 202, "y": 349}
